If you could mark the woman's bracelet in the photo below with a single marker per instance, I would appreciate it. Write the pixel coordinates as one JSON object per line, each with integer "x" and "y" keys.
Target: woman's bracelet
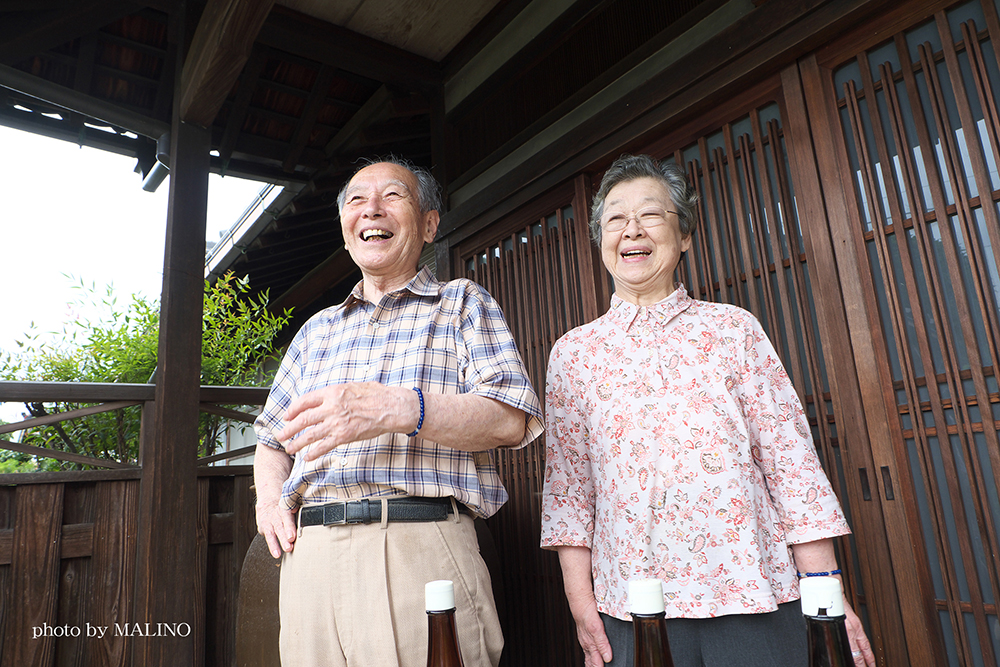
{"x": 818, "y": 574}
{"x": 420, "y": 423}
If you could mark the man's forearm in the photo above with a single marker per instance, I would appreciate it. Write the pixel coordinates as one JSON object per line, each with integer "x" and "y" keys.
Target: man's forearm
{"x": 470, "y": 423}
{"x": 271, "y": 468}
{"x": 320, "y": 420}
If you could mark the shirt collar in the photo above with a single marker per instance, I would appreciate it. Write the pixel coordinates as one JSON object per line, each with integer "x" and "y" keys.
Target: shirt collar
{"x": 628, "y": 315}
{"x": 422, "y": 284}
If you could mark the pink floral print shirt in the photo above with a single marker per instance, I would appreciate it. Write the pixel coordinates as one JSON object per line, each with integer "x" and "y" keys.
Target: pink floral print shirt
{"x": 677, "y": 449}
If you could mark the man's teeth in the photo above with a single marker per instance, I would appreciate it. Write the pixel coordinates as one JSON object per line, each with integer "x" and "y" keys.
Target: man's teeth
{"x": 635, "y": 253}
{"x": 373, "y": 233}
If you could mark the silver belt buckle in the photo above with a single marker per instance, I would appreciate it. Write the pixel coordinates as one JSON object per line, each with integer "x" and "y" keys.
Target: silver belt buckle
{"x": 328, "y": 519}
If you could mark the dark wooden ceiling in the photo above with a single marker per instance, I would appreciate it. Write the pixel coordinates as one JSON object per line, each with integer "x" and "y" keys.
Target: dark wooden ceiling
{"x": 309, "y": 96}
{"x": 316, "y": 86}
{"x": 296, "y": 91}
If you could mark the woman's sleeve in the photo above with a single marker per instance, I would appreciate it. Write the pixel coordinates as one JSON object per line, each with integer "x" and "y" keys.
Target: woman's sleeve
{"x": 568, "y": 490}
{"x": 782, "y": 445}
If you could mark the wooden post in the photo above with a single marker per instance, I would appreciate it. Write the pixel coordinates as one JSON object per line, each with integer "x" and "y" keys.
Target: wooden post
{"x": 168, "y": 499}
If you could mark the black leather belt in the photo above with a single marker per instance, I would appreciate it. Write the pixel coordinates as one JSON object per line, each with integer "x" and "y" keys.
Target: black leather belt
{"x": 369, "y": 510}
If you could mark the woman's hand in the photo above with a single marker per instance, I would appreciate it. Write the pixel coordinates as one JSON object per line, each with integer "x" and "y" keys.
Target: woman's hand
{"x": 590, "y": 632}
{"x": 861, "y": 649}
{"x": 576, "y": 564}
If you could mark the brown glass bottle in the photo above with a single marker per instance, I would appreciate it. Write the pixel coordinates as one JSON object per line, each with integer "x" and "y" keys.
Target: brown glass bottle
{"x": 823, "y": 607}
{"x": 442, "y": 632}
{"x": 649, "y": 624}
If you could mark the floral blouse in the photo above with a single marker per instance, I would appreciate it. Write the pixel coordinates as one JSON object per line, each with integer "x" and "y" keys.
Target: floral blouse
{"x": 677, "y": 449}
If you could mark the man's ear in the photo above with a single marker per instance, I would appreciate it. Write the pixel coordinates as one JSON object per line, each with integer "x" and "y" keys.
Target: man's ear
{"x": 431, "y": 221}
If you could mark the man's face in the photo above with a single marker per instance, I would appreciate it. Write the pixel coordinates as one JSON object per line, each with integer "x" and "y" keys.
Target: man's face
{"x": 384, "y": 230}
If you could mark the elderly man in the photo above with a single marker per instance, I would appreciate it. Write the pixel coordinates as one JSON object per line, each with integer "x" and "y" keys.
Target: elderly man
{"x": 372, "y": 455}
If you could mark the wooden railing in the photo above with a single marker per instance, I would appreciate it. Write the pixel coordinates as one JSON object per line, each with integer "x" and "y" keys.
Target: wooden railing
{"x": 68, "y": 542}
{"x": 108, "y": 397}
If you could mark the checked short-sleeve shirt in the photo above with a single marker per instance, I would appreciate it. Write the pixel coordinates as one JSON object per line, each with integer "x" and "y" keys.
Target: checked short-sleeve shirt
{"x": 446, "y": 338}
{"x": 678, "y": 450}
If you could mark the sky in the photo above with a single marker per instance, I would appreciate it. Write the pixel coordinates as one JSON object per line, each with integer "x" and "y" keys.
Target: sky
{"x": 72, "y": 213}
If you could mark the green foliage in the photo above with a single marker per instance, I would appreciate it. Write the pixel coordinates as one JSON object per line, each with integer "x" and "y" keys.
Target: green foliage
{"x": 15, "y": 462}
{"x": 237, "y": 336}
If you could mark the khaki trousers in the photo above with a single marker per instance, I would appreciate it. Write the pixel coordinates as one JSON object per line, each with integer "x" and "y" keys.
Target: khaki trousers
{"x": 353, "y": 596}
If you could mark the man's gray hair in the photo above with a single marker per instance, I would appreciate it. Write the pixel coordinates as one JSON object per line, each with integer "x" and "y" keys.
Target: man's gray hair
{"x": 629, "y": 168}
{"x": 428, "y": 189}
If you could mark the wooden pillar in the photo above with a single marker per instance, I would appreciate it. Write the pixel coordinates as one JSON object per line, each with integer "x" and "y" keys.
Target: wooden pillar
{"x": 166, "y": 572}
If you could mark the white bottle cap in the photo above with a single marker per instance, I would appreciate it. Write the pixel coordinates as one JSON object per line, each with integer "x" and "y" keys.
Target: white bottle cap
{"x": 439, "y": 595}
{"x": 821, "y": 593}
{"x": 646, "y": 596}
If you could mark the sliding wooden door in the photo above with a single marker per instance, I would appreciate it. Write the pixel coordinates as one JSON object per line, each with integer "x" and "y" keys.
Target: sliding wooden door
{"x": 904, "y": 129}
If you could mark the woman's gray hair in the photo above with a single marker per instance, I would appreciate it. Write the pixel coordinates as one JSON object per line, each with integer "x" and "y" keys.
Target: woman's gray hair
{"x": 629, "y": 168}
{"x": 428, "y": 189}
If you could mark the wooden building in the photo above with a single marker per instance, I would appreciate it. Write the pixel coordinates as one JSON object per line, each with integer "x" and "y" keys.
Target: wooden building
{"x": 846, "y": 152}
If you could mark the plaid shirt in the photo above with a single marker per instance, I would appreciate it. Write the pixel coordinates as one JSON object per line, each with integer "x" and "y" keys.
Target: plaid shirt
{"x": 446, "y": 338}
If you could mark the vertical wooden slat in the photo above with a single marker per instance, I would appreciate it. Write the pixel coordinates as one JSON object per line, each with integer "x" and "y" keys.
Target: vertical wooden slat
{"x": 8, "y": 518}
{"x": 711, "y": 286}
{"x": 74, "y": 579}
{"x": 757, "y": 247}
{"x": 112, "y": 571}
{"x": 584, "y": 249}
{"x": 34, "y": 575}
{"x": 201, "y": 574}
{"x": 735, "y": 215}
{"x": 689, "y": 268}
{"x": 741, "y": 276}
{"x": 244, "y": 522}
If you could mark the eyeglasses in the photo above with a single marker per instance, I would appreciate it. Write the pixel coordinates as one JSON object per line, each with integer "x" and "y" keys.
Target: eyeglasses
{"x": 358, "y": 200}
{"x": 651, "y": 216}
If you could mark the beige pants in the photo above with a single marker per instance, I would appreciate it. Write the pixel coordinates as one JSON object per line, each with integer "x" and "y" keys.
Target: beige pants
{"x": 353, "y": 596}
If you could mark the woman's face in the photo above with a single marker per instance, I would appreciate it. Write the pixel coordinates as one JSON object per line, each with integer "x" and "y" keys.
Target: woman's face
{"x": 642, "y": 259}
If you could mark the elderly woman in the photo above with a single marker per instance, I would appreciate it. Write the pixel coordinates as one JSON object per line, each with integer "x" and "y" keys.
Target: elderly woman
{"x": 678, "y": 450}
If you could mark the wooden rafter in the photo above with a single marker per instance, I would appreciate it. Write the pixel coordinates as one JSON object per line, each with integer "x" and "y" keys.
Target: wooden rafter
{"x": 48, "y": 26}
{"x": 308, "y": 120}
{"x": 219, "y": 50}
{"x": 238, "y": 112}
{"x": 347, "y": 50}
{"x": 371, "y": 109}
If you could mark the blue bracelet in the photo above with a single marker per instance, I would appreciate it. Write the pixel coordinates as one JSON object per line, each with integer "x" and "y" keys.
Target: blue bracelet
{"x": 818, "y": 574}
{"x": 420, "y": 423}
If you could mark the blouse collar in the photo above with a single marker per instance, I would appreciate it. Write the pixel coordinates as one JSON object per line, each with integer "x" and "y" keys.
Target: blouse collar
{"x": 632, "y": 317}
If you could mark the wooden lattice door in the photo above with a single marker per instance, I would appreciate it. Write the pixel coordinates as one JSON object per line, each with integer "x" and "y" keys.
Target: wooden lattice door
{"x": 538, "y": 264}
{"x": 906, "y": 138}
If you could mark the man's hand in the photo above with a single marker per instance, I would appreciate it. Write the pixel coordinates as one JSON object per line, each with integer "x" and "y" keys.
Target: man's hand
{"x": 343, "y": 413}
{"x": 277, "y": 525}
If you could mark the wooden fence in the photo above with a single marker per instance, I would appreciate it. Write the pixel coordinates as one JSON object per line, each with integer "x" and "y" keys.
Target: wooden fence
{"x": 68, "y": 552}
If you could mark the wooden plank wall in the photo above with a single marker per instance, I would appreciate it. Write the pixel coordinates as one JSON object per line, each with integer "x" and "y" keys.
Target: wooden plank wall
{"x": 67, "y": 567}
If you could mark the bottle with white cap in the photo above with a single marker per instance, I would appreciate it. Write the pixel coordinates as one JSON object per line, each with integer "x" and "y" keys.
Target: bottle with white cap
{"x": 649, "y": 624}
{"x": 823, "y": 606}
{"x": 442, "y": 633}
